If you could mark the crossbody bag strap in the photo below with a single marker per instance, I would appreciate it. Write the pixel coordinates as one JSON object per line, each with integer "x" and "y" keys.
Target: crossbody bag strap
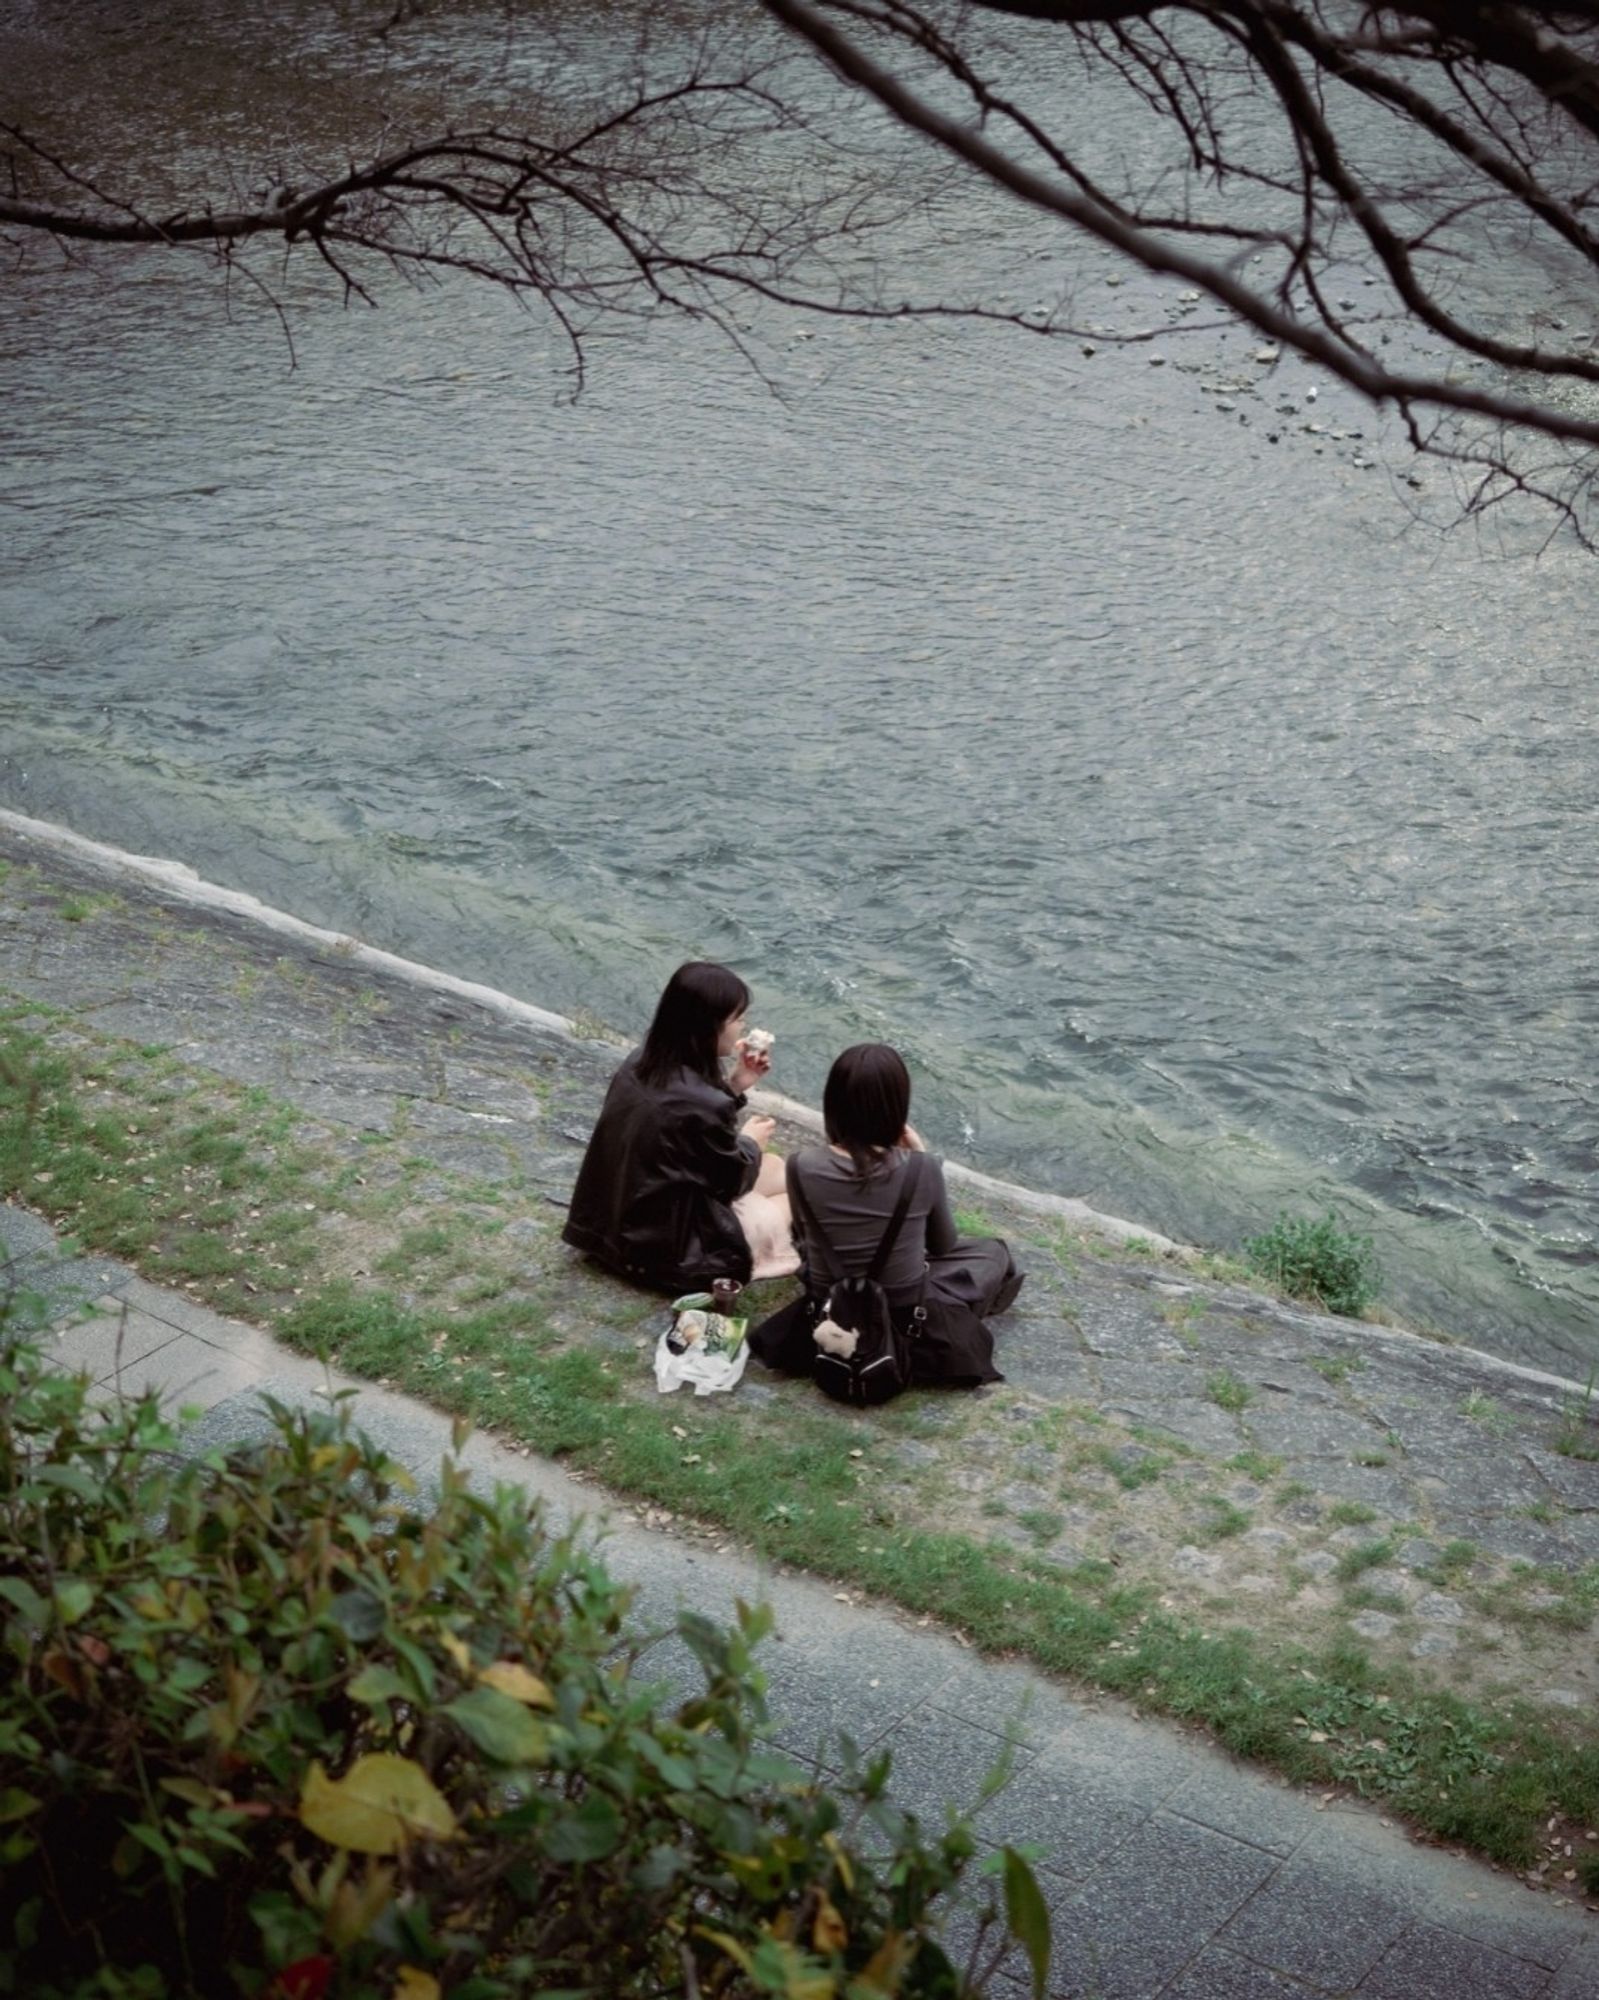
{"x": 886, "y": 1242}
{"x": 813, "y": 1235}
{"x": 913, "y": 1174}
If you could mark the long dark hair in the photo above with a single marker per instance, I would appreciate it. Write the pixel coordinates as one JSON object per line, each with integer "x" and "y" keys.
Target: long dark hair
{"x": 866, "y": 1102}
{"x": 689, "y": 1018}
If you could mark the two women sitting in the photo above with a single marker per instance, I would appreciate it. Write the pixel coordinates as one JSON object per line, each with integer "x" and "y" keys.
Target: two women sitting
{"x": 675, "y": 1191}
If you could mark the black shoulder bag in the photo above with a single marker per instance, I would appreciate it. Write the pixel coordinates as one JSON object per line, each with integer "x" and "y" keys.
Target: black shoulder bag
{"x": 863, "y": 1355}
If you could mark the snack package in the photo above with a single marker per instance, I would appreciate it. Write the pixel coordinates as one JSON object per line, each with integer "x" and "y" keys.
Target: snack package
{"x": 700, "y": 1346}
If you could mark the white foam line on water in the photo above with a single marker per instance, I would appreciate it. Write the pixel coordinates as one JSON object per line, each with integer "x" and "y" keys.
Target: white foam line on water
{"x": 178, "y": 879}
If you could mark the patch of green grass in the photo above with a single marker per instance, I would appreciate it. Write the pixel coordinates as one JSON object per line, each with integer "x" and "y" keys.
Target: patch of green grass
{"x": 1336, "y": 1367}
{"x": 1578, "y": 1436}
{"x": 78, "y": 909}
{"x": 1318, "y": 1259}
{"x": 1371, "y": 1458}
{"x": 1042, "y": 1523}
{"x": 1222, "y": 1520}
{"x": 1366, "y": 1555}
{"x": 1363, "y": 1597}
{"x": 1260, "y": 1465}
{"x": 1480, "y": 1408}
{"x": 1351, "y": 1513}
{"x": 1225, "y": 1389}
{"x": 1129, "y": 1469}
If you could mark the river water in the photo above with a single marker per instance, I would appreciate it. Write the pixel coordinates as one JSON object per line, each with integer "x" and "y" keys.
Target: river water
{"x": 1210, "y": 829}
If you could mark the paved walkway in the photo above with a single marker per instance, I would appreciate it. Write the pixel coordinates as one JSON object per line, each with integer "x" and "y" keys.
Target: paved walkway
{"x": 1170, "y": 1870}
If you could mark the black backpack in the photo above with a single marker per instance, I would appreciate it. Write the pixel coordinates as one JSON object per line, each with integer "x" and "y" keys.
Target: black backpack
{"x": 863, "y": 1355}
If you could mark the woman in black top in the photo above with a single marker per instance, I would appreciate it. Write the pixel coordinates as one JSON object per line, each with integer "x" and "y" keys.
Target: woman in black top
{"x": 673, "y": 1188}
{"x": 848, "y": 1191}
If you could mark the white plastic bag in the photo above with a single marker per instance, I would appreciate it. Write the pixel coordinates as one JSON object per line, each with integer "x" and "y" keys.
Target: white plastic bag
{"x": 710, "y": 1373}
{"x": 700, "y": 1347}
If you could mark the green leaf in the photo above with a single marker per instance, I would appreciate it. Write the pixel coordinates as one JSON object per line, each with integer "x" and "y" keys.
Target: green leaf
{"x": 70, "y": 1479}
{"x": 411, "y": 1655}
{"x": 501, "y": 1728}
{"x": 73, "y": 1598}
{"x": 26, "y": 1599}
{"x": 358, "y": 1613}
{"x": 15, "y": 1804}
{"x": 374, "y": 1685}
{"x": 1028, "y": 1918}
{"x": 590, "y": 1833}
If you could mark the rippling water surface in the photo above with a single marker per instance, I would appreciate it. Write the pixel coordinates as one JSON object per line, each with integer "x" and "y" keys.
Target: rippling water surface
{"x": 1211, "y": 836}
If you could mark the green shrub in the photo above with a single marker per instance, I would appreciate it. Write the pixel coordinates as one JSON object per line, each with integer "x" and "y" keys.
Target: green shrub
{"x": 1318, "y": 1259}
{"x": 272, "y": 1725}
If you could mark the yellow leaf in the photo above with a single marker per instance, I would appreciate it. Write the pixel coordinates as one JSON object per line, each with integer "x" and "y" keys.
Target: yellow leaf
{"x": 457, "y": 1651}
{"x": 355, "y": 1907}
{"x": 886, "y": 1966}
{"x": 730, "y": 1945}
{"x": 841, "y": 1860}
{"x": 414, "y": 1985}
{"x": 512, "y": 1678}
{"x": 381, "y": 1802}
{"x": 829, "y": 1933}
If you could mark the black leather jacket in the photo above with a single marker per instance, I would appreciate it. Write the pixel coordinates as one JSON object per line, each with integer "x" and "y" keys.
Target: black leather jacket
{"x": 654, "y": 1193}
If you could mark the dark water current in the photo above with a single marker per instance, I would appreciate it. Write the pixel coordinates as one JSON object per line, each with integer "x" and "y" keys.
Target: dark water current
{"x": 1210, "y": 835}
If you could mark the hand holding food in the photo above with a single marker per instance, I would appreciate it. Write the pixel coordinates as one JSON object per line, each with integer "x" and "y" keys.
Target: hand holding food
{"x": 754, "y": 1058}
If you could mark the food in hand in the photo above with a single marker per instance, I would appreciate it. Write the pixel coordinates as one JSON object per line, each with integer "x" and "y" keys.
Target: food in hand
{"x": 759, "y": 1041}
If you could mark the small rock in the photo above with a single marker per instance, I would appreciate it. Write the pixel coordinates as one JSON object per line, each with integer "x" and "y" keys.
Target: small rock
{"x": 1257, "y": 1586}
{"x": 1434, "y": 1645}
{"x": 1562, "y": 1698}
{"x": 1440, "y": 1609}
{"x": 1265, "y": 354}
{"x": 1416, "y": 1554}
{"x": 1318, "y": 1563}
{"x": 1089, "y": 349}
{"x": 1200, "y": 1563}
{"x": 1373, "y": 1624}
{"x": 1157, "y": 361}
{"x": 1268, "y": 1538}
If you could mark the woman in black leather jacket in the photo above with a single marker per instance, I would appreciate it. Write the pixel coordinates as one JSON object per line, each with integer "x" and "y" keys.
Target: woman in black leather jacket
{"x": 673, "y": 1190}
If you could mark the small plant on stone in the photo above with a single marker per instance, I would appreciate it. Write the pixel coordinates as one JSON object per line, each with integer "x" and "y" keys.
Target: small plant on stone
{"x": 1318, "y": 1259}
{"x": 1579, "y": 1428}
{"x": 1369, "y": 1555}
{"x": 1479, "y": 1408}
{"x": 1228, "y": 1393}
{"x": 1222, "y": 1520}
{"x": 1259, "y": 1465}
{"x": 1351, "y": 1513}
